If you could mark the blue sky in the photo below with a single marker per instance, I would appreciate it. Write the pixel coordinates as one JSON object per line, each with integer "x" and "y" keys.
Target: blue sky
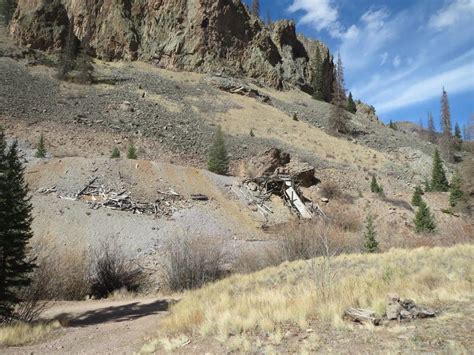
{"x": 398, "y": 54}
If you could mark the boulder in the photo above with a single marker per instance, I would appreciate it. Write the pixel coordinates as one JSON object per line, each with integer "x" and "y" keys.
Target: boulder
{"x": 392, "y": 306}
{"x": 302, "y": 173}
{"x": 267, "y": 163}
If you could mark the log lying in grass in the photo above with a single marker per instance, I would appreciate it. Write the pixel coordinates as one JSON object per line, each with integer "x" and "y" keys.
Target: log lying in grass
{"x": 361, "y": 316}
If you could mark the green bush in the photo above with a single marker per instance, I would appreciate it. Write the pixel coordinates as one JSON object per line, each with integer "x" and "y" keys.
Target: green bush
{"x": 115, "y": 153}
{"x": 132, "y": 152}
{"x": 40, "y": 148}
{"x": 375, "y": 187}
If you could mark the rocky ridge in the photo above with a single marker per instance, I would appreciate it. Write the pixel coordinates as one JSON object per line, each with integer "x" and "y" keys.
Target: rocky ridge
{"x": 205, "y": 36}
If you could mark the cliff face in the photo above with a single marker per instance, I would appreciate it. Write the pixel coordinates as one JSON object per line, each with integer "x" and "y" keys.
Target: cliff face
{"x": 192, "y": 35}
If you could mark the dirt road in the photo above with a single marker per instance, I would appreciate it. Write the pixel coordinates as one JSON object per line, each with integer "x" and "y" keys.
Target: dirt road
{"x": 99, "y": 327}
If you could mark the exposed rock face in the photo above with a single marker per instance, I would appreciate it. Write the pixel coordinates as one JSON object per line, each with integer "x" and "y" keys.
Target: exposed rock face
{"x": 193, "y": 35}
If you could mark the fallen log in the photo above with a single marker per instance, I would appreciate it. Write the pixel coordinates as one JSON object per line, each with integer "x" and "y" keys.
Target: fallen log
{"x": 362, "y": 316}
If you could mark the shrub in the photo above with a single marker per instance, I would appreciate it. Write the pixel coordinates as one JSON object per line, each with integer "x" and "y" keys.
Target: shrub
{"x": 40, "y": 148}
{"x": 416, "y": 199}
{"x": 302, "y": 240}
{"x": 424, "y": 220}
{"x": 115, "y": 153}
{"x": 192, "y": 262}
{"x": 218, "y": 160}
{"x": 111, "y": 272}
{"x": 60, "y": 274}
{"x": 132, "y": 152}
{"x": 371, "y": 245}
{"x": 330, "y": 190}
{"x": 375, "y": 187}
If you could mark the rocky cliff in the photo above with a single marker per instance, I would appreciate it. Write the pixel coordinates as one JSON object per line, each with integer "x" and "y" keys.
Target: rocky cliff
{"x": 209, "y": 36}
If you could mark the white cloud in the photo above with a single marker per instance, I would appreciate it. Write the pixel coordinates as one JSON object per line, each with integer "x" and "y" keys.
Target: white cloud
{"x": 456, "y": 12}
{"x": 383, "y": 58}
{"x": 454, "y": 80}
{"x": 323, "y": 15}
{"x": 397, "y": 61}
{"x": 320, "y": 13}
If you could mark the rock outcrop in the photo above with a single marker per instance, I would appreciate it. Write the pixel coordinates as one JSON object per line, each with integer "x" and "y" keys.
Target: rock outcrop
{"x": 210, "y": 36}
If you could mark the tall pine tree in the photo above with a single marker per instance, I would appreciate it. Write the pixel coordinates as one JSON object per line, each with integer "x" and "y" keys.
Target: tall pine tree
{"x": 328, "y": 77}
{"x": 256, "y": 8}
{"x": 448, "y": 144}
{"x": 439, "y": 182}
{"x": 318, "y": 78}
{"x": 431, "y": 129}
{"x": 15, "y": 228}
{"x": 338, "y": 117}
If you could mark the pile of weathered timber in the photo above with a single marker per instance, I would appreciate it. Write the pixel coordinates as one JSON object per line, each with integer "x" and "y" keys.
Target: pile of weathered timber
{"x": 395, "y": 309}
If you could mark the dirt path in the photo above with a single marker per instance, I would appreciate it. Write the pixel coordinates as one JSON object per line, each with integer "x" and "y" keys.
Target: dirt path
{"x": 99, "y": 327}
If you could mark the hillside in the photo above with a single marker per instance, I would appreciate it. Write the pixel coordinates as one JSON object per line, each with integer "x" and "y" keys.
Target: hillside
{"x": 290, "y": 309}
{"x": 166, "y": 75}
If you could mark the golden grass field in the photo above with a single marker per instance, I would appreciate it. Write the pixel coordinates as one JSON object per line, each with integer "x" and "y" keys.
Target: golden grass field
{"x": 296, "y": 296}
{"x": 24, "y": 333}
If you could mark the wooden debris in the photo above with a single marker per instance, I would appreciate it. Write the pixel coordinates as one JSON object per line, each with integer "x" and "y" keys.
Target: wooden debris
{"x": 362, "y": 316}
{"x": 199, "y": 197}
{"x": 397, "y": 309}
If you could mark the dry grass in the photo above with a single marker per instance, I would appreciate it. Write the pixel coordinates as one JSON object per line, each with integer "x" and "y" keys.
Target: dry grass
{"x": 266, "y": 301}
{"x": 24, "y": 333}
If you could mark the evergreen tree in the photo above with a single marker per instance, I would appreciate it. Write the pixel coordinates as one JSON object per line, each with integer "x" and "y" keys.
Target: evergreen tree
{"x": 328, "y": 71}
{"x": 439, "y": 182}
{"x": 424, "y": 220}
{"x": 218, "y": 160}
{"x": 392, "y": 125}
{"x": 457, "y": 137}
{"x": 84, "y": 63}
{"x": 318, "y": 79}
{"x": 351, "y": 106}
{"x": 69, "y": 52}
{"x": 15, "y": 228}
{"x": 416, "y": 199}
{"x": 455, "y": 190}
{"x": 115, "y": 153}
{"x": 256, "y": 8}
{"x": 7, "y": 10}
{"x": 338, "y": 117}
{"x": 370, "y": 236}
{"x": 447, "y": 143}
{"x": 40, "y": 148}
{"x": 431, "y": 129}
{"x": 132, "y": 152}
{"x": 445, "y": 114}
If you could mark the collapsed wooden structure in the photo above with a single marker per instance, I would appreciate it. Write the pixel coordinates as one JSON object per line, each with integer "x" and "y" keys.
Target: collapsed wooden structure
{"x": 262, "y": 188}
